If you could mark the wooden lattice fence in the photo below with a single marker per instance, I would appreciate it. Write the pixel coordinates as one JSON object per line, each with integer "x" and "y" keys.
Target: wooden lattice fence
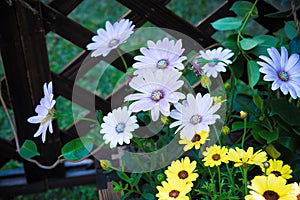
{"x": 24, "y": 25}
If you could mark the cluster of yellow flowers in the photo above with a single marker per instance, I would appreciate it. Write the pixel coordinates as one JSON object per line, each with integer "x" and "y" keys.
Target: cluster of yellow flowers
{"x": 271, "y": 185}
{"x": 179, "y": 182}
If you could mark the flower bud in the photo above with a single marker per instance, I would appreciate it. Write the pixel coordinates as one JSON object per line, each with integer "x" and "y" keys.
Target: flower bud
{"x": 243, "y": 114}
{"x": 266, "y": 164}
{"x": 205, "y": 81}
{"x": 225, "y": 130}
{"x": 161, "y": 177}
{"x": 105, "y": 164}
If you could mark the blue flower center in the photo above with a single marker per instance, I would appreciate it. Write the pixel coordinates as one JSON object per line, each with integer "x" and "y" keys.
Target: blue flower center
{"x": 156, "y": 95}
{"x": 195, "y": 119}
{"x": 113, "y": 43}
{"x": 162, "y": 64}
{"x": 120, "y": 128}
{"x": 284, "y": 76}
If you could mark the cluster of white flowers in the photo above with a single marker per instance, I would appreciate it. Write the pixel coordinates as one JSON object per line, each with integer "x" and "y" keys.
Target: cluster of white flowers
{"x": 157, "y": 81}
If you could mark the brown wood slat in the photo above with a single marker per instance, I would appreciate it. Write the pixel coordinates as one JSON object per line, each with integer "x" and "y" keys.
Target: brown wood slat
{"x": 65, "y": 7}
{"x": 8, "y": 151}
{"x": 165, "y": 18}
{"x": 25, "y": 60}
{"x": 84, "y": 98}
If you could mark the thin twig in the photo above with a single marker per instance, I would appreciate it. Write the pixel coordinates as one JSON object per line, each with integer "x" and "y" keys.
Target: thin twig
{"x": 294, "y": 11}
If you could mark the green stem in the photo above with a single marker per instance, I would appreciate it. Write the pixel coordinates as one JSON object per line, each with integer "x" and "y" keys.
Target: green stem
{"x": 230, "y": 176}
{"x": 245, "y": 131}
{"x": 57, "y": 115}
{"x": 245, "y": 170}
{"x": 123, "y": 59}
{"x": 219, "y": 180}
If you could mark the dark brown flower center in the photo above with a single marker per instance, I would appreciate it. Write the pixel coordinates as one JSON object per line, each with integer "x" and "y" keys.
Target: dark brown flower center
{"x": 270, "y": 195}
{"x": 156, "y": 95}
{"x": 298, "y": 196}
{"x": 183, "y": 174}
{"x": 284, "y": 76}
{"x": 216, "y": 157}
{"x": 196, "y": 138}
{"x": 195, "y": 119}
{"x": 174, "y": 193}
{"x": 277, "y": 173}
{"x": 162, "y": 64}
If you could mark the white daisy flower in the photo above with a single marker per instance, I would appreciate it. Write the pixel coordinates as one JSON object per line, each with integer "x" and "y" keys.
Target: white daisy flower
{"x": 115, "y": 34}
{"x": 194, "y": 115}
{"x": 117, "y": 127}
{"x": 157, "y": 91}
{"x": 45, "y": 111}
{"x": 284, "y": 71}
{"x": 160, "y": 55}
{"x": 212, "y": 68}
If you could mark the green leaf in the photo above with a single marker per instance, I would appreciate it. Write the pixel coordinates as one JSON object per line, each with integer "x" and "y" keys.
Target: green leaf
{"x": 295, "y": 45}
{"x": 258, "y": 100}
{"x": 290, "y": 30}
{"x": 286, "y": 111}
{"x": 135, "y": 178}
{"x": 250, "y": 43}
{"x": 267, "y": 42}
{"x": 280, "y": 14}
{"x": 227, "y": 23}
{"x": 29, "y": 149}
{"x": 124, "y": 176}
{"x": 117, "y": 186}
{"x": 148, "y": 196}
{"x": 253, "y": 73}
{"x": 270, "y": 137}
{"x": 289, "y": 142}
{"x": 272, "y": 151}
{"x": 238, "y": 125}
{"x": 255, "y": 132}
{"x": 241, "y": 8}
{"x": 99, "y": 116}
{"x": 77, "y": 148}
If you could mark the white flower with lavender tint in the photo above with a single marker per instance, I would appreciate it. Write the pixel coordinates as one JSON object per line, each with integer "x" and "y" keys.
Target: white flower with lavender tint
{"x": 215, "y": 56}
{"x": 157, "y": 91}
{"x": 284, "y": 71}
{"x": 194, "y": 115}
{"x": 115, "y": 34}
{"x": 163, "y": 54}
{"x": 118, "y": 126}
{"x": 45, "y": 111}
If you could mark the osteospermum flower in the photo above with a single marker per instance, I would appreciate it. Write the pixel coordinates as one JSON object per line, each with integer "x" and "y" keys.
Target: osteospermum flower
{"x": 277, "y": 168}
{"x": 297, "y": 188}
{"x": 109, "y": 39}
{"x": 118, "y": 126}
{"x": 198, "y": 139}
{"x": 219, "y": 59}
{"x": 45, "y": 111}
{"x": 271, "y": 188}
{"x": 174, "y": 190}
{"x": 182, "y": 170}
{"x": 194, "y": 115}
{"x": 157, "y": 91}
{"x": 284, "y": 71}
{"x": 160, "y": 55}
{"x": 246, "y": 158}
{"x": 215, "y": 155}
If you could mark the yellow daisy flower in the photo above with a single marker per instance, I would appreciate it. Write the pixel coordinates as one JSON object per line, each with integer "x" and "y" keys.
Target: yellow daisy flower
{"x": 297, "y": 188}
{"x": 271, "y": 188}
{"x": 245, "y": 158}
{"x": 276, "y": 167}
{"x": 215, "y": 155}
{"x": 173, "y": 190}
{"x": 198, "y": 139}
{"x": 182, "y": 170}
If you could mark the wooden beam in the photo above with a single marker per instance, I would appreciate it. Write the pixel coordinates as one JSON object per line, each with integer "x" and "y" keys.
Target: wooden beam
{"x": 24, "y": 55}
{"x": 65, "y": 7}
{"x": 165, "y": 18}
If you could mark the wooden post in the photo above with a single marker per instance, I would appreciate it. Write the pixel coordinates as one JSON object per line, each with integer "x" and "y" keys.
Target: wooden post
{"x": 25, "y": 60}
